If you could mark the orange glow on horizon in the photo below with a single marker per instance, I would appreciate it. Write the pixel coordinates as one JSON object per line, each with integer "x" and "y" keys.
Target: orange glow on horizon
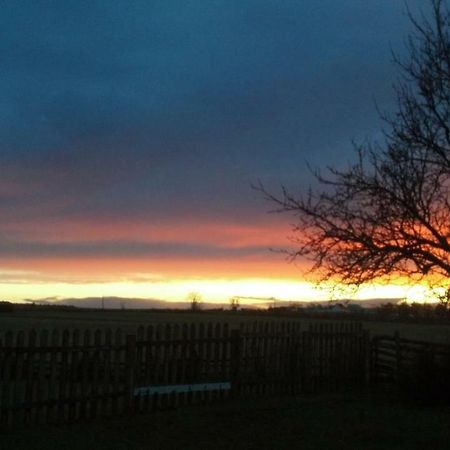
{"x": 185, "y": 231}
{"x": 171, "y": 277}
{"x": 270, "y": 267}
{"x": 173, "y": 282}
{"x": 211, "y": 290}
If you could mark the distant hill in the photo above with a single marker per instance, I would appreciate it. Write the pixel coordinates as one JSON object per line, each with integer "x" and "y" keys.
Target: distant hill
{"x": 151, "y": 303}
{"x": 122, "y": 303}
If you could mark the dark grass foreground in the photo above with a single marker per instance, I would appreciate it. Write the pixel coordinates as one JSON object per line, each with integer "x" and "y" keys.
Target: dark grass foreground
{"x": 326, "y": 422}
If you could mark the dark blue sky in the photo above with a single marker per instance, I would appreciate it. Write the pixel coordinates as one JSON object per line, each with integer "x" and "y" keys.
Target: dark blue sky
{"x": 166, "y": 111}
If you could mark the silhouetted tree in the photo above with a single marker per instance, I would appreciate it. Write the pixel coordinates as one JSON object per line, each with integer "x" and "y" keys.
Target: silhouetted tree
{"x": 195, "y": 301}
{"x": 441, "y": 311}
{"x": 6, "y": 307}
{"x": 234, "y": 303}
{"x": 386, "y": 311}
{"x": 389, "y": 213}
{"x": 444, "y": 300}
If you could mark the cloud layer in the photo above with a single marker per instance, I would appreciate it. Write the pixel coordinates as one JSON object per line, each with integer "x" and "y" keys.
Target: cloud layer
{"x": 117, "y": 114}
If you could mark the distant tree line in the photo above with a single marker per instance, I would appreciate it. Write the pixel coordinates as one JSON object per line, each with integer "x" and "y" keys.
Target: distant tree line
{"x": 6, "y": 307}
{"x": 9, "y": 307}
{"x": 400, "y": 312}
{"x": 414, "y": 312}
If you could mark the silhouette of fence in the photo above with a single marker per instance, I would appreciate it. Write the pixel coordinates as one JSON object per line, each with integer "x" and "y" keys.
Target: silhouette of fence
{"x": 65, "y": 376}
{"x": 394, "y": 357}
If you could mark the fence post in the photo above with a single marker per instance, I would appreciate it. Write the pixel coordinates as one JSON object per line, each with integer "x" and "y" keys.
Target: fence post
{"x": 367, "y": 355}
{"x": 374, "y": 360}
{"x": 130, "y": 360}
{"x": 306, "y": 365}
{"x": 398, "y": 355}
{"x": 235, "y": 351}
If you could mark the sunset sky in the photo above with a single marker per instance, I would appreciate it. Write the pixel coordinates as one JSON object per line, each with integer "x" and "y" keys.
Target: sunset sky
{"x": 131, "y": 132}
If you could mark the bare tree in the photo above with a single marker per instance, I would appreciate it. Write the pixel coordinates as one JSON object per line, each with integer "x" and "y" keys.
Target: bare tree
{"x": 234, "y": 303}
{"x": 389, "y": 213}
{"x": 195, "y": 300}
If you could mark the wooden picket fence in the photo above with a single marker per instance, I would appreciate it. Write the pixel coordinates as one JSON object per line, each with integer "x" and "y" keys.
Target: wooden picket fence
{"x": 66, "y": 376}
{"x": 394, "y": 357}
{"x": 335, "y": 356}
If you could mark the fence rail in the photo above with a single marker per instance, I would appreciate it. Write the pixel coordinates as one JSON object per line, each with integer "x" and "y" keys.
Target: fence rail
{"x": 393, "y": 357}
{"x": 65, "y": 376}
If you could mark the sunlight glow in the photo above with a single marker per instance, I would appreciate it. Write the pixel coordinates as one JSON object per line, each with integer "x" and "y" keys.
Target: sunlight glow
{"x": 255, "y": 291}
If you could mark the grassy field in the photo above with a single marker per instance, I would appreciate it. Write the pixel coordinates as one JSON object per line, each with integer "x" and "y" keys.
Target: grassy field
{"x": 129, "y": 320}
{"x": 335, "y": 421}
